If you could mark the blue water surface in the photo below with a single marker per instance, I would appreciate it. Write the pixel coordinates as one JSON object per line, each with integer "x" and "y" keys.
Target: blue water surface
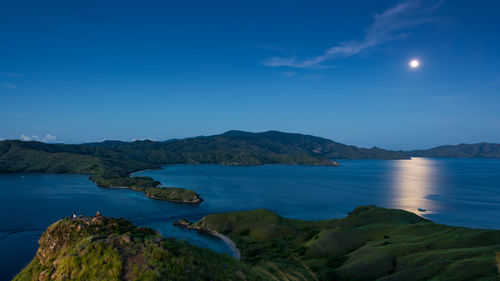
{"x": 464, "y": 192}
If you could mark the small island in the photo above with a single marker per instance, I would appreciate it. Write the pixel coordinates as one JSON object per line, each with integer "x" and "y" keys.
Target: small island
{"x": 173, "y": 194}
{"x": 151, "y": 189}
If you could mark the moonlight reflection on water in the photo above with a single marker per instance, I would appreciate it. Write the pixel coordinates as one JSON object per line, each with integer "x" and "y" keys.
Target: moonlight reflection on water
{"x": 413, "y": 182}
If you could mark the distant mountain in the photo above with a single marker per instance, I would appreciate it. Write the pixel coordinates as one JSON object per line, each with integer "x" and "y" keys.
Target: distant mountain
{"x": 477, "y": 150}
{"x": 244, "y": 148}
{"x": 118, "y": 158}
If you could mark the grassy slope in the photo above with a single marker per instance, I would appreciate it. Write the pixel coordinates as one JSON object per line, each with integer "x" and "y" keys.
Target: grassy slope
{"x": 113, "y": 249}
{"x": 370, "y": 244}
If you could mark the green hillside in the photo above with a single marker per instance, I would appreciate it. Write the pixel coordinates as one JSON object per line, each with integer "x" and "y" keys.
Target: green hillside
{"x": 371, "y": 243}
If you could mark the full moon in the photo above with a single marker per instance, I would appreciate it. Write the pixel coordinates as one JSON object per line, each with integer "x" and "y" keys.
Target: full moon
{"x": 414, "y": 63}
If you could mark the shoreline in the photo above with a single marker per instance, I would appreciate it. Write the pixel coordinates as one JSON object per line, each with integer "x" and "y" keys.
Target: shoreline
{"x": 187, "y": 225}
{"x": 230, "y": 243}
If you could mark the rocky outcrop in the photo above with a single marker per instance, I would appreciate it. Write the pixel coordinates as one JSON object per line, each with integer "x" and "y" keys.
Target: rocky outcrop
{"x": 101, "y": 248}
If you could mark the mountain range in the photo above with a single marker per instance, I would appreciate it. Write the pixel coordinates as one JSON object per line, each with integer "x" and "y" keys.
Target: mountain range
{"x": 111, "y": 162}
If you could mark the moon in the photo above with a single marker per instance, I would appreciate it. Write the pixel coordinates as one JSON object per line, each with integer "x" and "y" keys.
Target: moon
{"x": 414, "y": 63}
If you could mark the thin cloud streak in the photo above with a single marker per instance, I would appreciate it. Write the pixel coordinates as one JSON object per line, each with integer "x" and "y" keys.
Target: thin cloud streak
{"x": 387, "y": 26}
{"x": 10, "y": 85}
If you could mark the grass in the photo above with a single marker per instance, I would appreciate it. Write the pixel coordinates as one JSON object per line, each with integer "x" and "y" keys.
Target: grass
{"x": 371, "y": 243}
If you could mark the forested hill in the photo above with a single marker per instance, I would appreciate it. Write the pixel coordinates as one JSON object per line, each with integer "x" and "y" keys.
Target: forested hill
{"x": 477, "y": 150}
{"x": 244, "y": 148}
{"x": 111, "y": 159}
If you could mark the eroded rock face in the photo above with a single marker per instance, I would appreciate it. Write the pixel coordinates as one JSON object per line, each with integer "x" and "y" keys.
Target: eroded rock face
{"x": 45, "y": 275}
{"x": 52, "y": 241}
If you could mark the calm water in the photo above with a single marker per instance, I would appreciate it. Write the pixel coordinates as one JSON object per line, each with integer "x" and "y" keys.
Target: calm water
{"x": 462, "y": 192}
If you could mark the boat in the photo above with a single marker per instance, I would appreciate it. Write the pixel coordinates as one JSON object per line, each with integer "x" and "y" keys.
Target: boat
{"x": 420, "y": 209}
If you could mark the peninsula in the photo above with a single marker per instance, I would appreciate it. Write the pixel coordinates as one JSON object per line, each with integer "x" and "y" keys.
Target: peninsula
{"x": 371, "y": 243}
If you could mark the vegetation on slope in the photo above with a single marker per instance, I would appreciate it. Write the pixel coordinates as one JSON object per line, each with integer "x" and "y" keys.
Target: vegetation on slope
{"x": 113, "y": 249}
{"x": 173, "y": 194}
{"x": 113, "y": 159}
{"x": 478, "y": 150}
{"x": 244, "y": 148}
{"x": 369, "y": 244}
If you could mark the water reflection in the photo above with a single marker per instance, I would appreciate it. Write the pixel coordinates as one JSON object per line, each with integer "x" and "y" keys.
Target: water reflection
{"x": 414, "y": 181}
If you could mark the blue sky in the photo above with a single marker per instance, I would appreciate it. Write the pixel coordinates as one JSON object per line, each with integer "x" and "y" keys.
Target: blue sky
{"x": 79, "y": 71}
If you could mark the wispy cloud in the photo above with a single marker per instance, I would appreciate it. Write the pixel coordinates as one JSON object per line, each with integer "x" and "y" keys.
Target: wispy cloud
{"x": 10, "y": 85}
{"x": 25, "y": 137}
{"x": 47, "y": 138}
{"x": 392, "y": 24}
{"x": 50, "y": 138}
{"x": 268, "y": 47}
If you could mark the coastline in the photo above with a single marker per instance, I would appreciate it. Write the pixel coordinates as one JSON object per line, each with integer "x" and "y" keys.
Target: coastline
{"x": 230, "y": 243}
{"x": 185, "y": 224}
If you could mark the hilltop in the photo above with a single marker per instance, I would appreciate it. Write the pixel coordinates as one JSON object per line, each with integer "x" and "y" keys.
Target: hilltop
{"x": 91, "y": 248}
{"x": 477, "y": 150}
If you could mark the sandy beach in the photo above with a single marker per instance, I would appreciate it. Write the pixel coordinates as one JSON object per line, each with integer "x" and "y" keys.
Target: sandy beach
{"x": 236, "y": 252}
